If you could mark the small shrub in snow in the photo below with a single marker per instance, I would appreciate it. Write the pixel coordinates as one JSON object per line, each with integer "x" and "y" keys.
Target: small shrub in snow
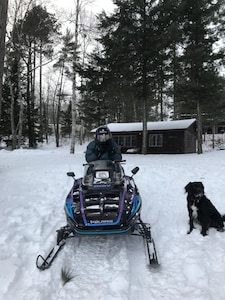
{"x": 66, "y": 276}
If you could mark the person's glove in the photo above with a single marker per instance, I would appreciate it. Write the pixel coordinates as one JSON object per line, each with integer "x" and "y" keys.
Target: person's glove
{"x": 110, "y": 147}
{"x": 98, "y": 152}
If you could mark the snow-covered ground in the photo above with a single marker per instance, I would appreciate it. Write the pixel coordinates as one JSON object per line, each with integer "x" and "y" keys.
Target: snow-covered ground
{"x": 33, "y": 187}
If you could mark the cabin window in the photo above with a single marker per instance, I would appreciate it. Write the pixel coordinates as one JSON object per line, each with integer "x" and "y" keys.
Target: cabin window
{"x": 155, "y": 140}
{"x": 126, "y": 140}
{"x": 118, "y": 140}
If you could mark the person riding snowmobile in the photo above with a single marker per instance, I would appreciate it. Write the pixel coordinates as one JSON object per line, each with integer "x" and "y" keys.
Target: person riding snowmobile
{"x": 103, "y": 147}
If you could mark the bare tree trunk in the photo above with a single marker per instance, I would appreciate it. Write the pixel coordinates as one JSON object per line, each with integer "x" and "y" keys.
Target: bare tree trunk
{"x": 58, "y": 111}
{"x": 176, "y": 110}
{"x": 12, "y": 116}
{"x": 213, "y": 134}
{"x": 144, "y": 86}
{"x": 82, "y": 132}
{"x": 161, "y": 101}
{"x": 19, "y": 128}
{"x": 40, "y": 99}
{"x": 46, "y": 116}
{"x": 16, "y": 131}
{"x": 57, "y": 121}
{"x": 145, "y": 130}
{"x": 3, "y": 18}
{"x": 199, "y": 127}
{"x": 20, "y": 122}
{"x": 74, "y": 100}
{"x": 28, "y": 99}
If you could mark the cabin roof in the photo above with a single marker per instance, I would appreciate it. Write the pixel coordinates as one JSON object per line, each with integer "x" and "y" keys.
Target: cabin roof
{"x": 163, "y": 125}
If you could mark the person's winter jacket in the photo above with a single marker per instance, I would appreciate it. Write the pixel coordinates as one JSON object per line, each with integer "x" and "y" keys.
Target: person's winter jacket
{"x": 103, "y": 151}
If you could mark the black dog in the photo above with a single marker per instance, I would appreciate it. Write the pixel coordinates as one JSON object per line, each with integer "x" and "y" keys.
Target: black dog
{"x": 201, "y": 209}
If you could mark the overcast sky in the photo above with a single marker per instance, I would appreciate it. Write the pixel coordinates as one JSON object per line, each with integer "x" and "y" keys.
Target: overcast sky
{"x": 96, "y": 6}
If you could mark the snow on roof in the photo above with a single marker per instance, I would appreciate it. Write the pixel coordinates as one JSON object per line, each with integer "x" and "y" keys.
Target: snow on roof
{"x": 177, "y": 124}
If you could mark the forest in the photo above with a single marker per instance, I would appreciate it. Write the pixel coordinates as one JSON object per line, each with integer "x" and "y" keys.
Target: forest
{"x": 147, "y": 60}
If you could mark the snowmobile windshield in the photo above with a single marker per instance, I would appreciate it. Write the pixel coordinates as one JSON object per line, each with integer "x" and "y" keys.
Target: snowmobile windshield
{"x": 102, "y": 165}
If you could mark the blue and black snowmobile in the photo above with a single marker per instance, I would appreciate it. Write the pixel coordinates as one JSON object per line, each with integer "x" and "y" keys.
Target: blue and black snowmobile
{"x": 103, "y": 201}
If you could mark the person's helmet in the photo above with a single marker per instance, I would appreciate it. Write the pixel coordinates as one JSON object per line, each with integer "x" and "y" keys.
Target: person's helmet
{"x": 103, "y": 134}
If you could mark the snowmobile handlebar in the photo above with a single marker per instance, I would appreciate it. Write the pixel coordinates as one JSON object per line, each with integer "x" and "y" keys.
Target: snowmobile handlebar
{"x": 70, "y": 174}
{"x": 115, "y": 161}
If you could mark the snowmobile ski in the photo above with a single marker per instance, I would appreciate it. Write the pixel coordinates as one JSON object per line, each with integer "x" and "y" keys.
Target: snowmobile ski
{"x": 144, "y": 230}
{"x": 62, "y": 234}
{"x": 44, "y": 263}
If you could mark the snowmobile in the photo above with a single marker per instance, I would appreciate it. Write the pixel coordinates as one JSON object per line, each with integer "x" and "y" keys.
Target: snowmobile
{"x": 103, "y": 201}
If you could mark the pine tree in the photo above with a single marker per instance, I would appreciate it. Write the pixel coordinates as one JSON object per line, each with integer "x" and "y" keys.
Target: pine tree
{"x": 130, "y": 45}
{"x": 3, "y": 18}
{"x": 29, "y": 36}
{"x": 66, "y": 121}
{"x": 152, "y": 50}
{"x": 201, "y": 24}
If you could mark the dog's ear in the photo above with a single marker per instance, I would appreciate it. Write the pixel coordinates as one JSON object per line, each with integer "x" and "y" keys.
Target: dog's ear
{"x": 202, "y": 186}
{"x": 187, "y": 187}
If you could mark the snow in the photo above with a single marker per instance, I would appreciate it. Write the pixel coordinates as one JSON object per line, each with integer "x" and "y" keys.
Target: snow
{"x": 33, "y": 187}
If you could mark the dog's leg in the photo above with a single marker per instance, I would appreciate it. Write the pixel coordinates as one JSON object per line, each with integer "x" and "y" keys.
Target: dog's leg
{"x": 204, "y": 232}
{"x": 191, "y": 223}
{"x": 191, "y": 227}
{"x": 190, "y": 230}
{"x": 191, "y": 220}
{"x": 205, "y": 227}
